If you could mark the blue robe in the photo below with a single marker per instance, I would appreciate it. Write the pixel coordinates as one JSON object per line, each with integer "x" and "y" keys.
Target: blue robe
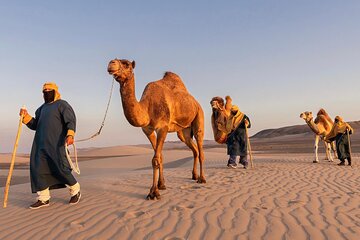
{"x": 49, "y": 167}
{"x": 236, "y": 141}
{"x": 342, "y": 146}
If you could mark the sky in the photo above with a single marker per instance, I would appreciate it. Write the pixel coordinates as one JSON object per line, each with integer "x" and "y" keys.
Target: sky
{"x": 275, "y": 58}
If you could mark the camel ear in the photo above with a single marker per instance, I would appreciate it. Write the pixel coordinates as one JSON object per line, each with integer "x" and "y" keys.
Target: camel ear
{"x": 133, "y": 64}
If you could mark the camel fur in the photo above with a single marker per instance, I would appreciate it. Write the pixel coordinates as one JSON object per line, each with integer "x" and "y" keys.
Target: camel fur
{"x": 321, "y": 127}
{"x": 219, "y": 117}
{"x": 165, "y": 106}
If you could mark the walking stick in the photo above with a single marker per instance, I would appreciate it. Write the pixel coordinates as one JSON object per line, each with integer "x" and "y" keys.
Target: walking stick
{"x": 249, "y": 146}
{"x": 7, "y": 186}
{"x": 352, "y": 160}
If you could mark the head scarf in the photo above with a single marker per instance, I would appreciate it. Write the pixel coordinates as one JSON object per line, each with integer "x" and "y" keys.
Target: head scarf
{"x": 52, "y": 86}
{"x": 234, "y": 120}
{"x": 339, "y": 127}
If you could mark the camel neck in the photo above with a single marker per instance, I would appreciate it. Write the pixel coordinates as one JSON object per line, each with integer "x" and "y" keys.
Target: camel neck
{"x": 313, "y": 126}
{"x": 134, "y": 111}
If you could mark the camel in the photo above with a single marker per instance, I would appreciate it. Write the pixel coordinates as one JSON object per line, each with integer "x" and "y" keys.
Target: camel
{"x": 165, "y": 106}
{"x": 321, "y": 127}
{"x": 220, "y": 114}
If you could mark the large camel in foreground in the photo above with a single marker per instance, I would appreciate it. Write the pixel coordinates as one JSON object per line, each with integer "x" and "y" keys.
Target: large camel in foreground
{"x": 321, "y": 127}
{"x": 165, "y": 106}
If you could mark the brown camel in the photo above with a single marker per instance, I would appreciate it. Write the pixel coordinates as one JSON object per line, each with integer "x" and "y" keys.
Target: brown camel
{"x": 165, "y": 106}
{"x": 321, "y": 127}
{"x": 220, "y": 114}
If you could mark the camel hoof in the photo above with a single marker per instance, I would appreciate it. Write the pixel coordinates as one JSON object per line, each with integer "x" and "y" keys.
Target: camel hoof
{"x": 201, "y": 180}
{"x": 153, "y": 194}
{"x": 315, "y": 161}
{"x": 195, "y": 177}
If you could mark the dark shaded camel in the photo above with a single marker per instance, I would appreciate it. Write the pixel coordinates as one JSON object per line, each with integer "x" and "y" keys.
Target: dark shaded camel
{"x": 219, "y": 117}
{"x": 165, "y": 106}
{"x": 321, "y": 127}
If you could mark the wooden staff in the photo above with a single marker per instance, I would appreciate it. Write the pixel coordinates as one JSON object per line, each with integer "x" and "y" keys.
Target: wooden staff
{"x": 7, "y": 186}
{"x": 348, "y": 135}
{"x": 249, "y": 147}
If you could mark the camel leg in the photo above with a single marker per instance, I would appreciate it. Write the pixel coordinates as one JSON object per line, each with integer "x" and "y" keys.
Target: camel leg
{"x": 333, "y": 147}
{"x": 157, "y": 164}
{"x": 317, "y": 139}
{"x": 328, "y": 152}
{"x": 327, "y": 157}
{"x": 185, "y": 136}
{"x": 198, "y": 130}
{"x": 150, "y": 134}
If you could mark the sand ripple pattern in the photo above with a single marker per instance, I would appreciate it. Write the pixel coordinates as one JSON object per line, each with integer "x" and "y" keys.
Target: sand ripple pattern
{"x": 285, "y": 197}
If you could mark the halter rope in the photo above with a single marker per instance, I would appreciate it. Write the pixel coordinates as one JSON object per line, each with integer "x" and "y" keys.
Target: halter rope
{"x": 75, "y": 166}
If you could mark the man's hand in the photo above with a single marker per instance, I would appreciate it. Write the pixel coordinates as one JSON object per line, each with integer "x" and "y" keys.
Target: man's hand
{"x": 349, "y": 130}
{"x": 23, "y": 112}
{"x": 246, "y": 123}
{"x": 69, "y": 140}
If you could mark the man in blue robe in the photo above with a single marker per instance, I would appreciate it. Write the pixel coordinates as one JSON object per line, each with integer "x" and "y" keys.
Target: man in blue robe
{"x": 237, "y": 140}
{"x": 339, "y": 134}
{"x": 55, "y": 125}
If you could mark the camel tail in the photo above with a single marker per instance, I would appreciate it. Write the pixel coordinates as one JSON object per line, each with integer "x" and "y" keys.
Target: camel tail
{"x": 325, "y": 114}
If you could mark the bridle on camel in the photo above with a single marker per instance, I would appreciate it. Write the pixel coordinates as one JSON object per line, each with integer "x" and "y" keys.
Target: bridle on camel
{"x": 75, "y": 166}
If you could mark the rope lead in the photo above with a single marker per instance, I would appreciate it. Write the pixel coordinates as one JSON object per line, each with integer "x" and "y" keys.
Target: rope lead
{"x": 103, "y": 122}
{"x": 75, "y": 167}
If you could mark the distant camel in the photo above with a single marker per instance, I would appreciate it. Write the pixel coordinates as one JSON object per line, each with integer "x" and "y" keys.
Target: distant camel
{"x": 321, "y": 127}
{"x": 165, "y": 106}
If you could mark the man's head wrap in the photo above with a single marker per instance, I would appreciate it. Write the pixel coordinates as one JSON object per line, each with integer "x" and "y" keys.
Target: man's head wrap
{"x": 52, "y": 86}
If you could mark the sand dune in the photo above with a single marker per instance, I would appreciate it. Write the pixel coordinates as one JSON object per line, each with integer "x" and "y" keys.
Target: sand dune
{"x": 284, "y": 197}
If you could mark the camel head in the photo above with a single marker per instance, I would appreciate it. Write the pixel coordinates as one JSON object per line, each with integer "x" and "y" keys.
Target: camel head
{"x": 121, "y": 69}
{"x": 217, "y": 103}
{"x": 307, "y": 116}
{"x": 219, "y": 117}
{"x": 218, "y": 109}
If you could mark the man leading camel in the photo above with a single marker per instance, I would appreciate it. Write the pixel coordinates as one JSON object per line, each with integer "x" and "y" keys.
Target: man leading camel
{"x": 339, "y": 134}
{"x": 55, "y": 124}
{"x": 231, "y": 122}
{"x": 236, "y": 139}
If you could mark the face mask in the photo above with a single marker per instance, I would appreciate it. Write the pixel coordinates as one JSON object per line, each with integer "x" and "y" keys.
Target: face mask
{"x": 49, "y": 96}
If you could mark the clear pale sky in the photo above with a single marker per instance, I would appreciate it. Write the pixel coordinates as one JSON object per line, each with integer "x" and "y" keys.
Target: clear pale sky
{"x": 274, "y": 58}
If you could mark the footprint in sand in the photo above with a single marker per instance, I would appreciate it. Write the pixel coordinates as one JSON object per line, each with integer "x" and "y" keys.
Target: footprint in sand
{"x": 76, "y": 225}
{"x": 190, "y": 206}
{"x": 181, "y": 208}
{"x": 131, "y": 214}
{"x": 177, "y": 208}
{"x": 190, "y": 187}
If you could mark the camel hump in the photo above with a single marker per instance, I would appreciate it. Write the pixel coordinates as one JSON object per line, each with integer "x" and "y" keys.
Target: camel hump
{"x": 325, "y": 114}
{"x": 173, "y": 81}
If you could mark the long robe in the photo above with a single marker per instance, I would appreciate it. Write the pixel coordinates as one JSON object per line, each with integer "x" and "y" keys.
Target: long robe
{"x": 342, "y": 146}
{"x": 236, "y": 141}
{"x": 49, "y": 167}
{"x": 339, "y": 134}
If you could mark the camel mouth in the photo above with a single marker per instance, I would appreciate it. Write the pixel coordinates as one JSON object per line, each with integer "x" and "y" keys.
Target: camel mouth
{"x": 113, "y": 71}
{"x": 214, "y": 106}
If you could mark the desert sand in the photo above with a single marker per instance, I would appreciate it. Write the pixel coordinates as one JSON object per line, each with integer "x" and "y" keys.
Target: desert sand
{"x": 285, "y": 196}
